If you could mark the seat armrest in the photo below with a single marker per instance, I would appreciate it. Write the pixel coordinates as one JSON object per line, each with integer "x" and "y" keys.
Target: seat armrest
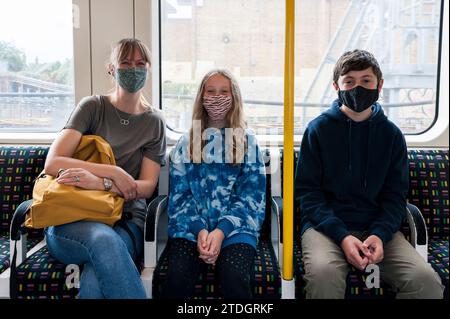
{"x": 17, "y": 243}
{"x": 276, "y": 232}
{"x": 417, "y": 225}
{"x": 18, "y": 220}
{"x": 18, "y": 234}
{"x": 155, "y": 210}
{"x": 277, "y": 216}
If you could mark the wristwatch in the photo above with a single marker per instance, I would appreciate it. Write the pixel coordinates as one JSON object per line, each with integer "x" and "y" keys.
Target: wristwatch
{"x": 107, "y": 183}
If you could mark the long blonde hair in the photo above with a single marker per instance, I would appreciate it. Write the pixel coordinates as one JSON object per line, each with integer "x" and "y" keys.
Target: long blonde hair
{"x": 235, "y": 118}
{"x": 122, "y": 49}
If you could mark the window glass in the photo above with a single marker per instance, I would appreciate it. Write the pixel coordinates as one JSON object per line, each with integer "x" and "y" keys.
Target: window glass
{"x": 36, "y": 65}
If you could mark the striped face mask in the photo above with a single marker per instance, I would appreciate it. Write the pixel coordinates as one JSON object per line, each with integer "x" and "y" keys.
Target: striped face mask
{"x": 217, "y": 106}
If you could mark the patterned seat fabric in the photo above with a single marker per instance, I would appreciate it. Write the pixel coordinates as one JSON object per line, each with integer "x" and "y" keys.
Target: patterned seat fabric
{"x": 438, "y": 258}
{"x": 19, "y": 167}
{"x": 42, "y": 277}
{"x": 429, "y": 192}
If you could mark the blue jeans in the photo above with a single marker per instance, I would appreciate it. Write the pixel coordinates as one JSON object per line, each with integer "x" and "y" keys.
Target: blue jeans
{"x": 105, "y": 252}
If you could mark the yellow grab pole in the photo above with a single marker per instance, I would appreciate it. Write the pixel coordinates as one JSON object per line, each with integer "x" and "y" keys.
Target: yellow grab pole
{"x": 288, "y": 157}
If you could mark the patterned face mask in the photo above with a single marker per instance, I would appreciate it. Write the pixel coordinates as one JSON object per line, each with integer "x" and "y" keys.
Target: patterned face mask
{"x": 217, "y": 106}
{"x": 132, "y": 79}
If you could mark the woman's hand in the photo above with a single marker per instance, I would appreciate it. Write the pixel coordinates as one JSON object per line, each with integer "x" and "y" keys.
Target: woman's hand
{"x": 125, "y": 183}
{"x": 81, "y": 178}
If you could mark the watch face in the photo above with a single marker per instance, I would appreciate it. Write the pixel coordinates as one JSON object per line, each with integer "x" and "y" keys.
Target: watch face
{"x": 107, "y": 183}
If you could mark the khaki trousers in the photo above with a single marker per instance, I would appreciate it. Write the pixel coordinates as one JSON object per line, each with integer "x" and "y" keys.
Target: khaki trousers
{"x": 402, "y": 268}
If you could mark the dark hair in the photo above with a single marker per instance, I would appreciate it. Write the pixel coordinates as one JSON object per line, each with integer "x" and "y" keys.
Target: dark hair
{"x": 356, "y": 60}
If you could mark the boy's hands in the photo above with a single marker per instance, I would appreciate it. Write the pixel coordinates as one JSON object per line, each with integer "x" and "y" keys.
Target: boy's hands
{"x": 355, "y": 252}
{"x": 209, "y": 244}
{"x": 375, "y": 246}
{"x": 360, "y": 254}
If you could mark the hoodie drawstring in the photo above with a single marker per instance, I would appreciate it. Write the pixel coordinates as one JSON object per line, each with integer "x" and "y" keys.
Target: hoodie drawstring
{"x": 368, "y": 154}
{"x": 349, "y": 121}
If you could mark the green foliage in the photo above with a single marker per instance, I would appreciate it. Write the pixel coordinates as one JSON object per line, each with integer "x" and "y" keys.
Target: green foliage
{"x": 14, "y": 58}
{"x": 55, "y": 72}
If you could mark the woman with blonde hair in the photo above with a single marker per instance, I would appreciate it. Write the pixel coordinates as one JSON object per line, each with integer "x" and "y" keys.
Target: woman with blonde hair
{"x": 217, "y": 194}
{"x": 136, "y": 133}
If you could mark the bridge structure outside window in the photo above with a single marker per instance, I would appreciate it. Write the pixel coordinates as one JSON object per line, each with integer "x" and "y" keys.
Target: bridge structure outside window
{"x": 36, "y": 65}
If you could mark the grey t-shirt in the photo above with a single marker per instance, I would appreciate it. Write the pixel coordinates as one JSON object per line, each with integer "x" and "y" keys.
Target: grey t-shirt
{"x": 143, "y": 136}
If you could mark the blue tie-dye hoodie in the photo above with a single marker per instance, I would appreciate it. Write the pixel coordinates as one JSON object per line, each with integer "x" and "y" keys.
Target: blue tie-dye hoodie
{"x": 215, "y": 194}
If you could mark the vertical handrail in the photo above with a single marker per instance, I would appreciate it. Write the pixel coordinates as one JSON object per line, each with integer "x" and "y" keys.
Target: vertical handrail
{"x": 288, "y": 158}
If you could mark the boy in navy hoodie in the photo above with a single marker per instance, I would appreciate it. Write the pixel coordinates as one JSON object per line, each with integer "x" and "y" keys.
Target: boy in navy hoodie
{"x": 351, "y": 184}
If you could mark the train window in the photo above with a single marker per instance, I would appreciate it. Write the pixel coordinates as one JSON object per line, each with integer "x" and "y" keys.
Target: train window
{"x": 36, "y": 65}
{"x": 247, "y": 37}
{"x": 403, "y": 36}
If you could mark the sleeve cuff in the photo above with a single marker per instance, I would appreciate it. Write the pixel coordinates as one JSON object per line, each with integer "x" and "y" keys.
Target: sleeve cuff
{"x": 339, "y": 235}
{"x": 225, "y": 226}
{"x": 383, "y": 234}
{"x": 335, "y": 229}
{"x": 196, "y": 226}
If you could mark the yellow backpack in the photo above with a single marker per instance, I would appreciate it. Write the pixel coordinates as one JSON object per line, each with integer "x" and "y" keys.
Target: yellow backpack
{"x": 56, "y": 204}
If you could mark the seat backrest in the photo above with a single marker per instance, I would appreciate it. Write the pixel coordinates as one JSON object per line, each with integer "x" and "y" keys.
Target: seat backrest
{"x": 265, "y": 233}
{"x": 19, "y": 166}
{"x": 428, "y": 189}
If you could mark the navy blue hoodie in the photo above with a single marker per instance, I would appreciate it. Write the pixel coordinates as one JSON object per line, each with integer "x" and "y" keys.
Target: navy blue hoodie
{"x": 352, "y": 176}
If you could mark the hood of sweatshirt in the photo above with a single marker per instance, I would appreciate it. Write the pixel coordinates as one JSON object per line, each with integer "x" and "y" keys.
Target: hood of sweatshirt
{"x": 377, "y": 117}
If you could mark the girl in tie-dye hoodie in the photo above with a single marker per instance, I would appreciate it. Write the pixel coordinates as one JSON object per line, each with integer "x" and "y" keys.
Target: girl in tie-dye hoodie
{"x": 217, "y": 194}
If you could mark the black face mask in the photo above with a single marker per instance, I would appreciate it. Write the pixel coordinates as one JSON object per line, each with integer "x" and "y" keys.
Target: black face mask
{"x": 359, "y": 98}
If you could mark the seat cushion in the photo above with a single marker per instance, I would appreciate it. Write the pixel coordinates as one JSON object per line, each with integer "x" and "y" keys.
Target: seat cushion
{"x": 42, "y": 277}
{"x": 4, "y": 250}
{"x": 438, "y": 258}
{"x": 266, "y": 283}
